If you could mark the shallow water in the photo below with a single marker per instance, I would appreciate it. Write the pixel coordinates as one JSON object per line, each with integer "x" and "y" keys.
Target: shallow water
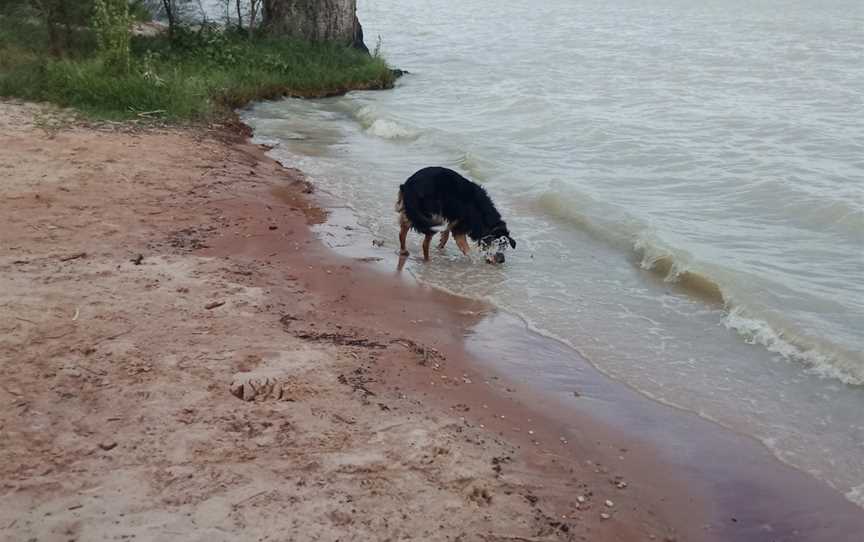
{"x": 685, "y": 181}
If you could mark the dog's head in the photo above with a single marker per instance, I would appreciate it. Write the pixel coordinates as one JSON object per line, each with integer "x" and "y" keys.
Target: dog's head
{"x": 498, "y": 233}
{"x": 496, "y": 241}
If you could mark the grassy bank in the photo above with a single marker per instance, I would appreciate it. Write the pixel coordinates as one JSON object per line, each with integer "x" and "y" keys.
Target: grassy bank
{"x": 199, "y": 75}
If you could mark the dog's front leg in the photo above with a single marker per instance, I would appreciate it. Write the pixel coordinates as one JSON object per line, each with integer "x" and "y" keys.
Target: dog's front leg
{"x": 403, "y": 234}
{"x": 445, "y": 236}
{"x": 462, "y": 243}
{"x": 426, "y": 242}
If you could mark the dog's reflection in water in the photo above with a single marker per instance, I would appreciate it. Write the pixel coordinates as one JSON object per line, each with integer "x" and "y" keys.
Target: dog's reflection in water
{"x": 439, "y": 200}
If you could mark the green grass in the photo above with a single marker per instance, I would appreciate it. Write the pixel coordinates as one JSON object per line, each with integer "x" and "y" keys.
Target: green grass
{"x": 198, "y": 76}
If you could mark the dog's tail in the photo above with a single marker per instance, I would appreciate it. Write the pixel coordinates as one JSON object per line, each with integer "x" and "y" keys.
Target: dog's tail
{"x": 408, "y": 205}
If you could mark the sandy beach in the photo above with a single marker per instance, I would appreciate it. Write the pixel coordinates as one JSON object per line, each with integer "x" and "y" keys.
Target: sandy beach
{"x": 185, "y": 359}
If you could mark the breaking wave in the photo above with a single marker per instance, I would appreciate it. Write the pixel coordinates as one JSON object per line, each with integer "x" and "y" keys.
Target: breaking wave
{"x": 842, "y": 366}
{"x": 381, "y": 126}
{"x": 389, "y": 129}
{"x": 856, "y": 495}
{"x": 710, "y": 283}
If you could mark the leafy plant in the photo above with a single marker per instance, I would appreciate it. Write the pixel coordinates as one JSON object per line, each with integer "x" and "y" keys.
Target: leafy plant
{"x": 202, "y": 74}
{"x": 111, "y": 22}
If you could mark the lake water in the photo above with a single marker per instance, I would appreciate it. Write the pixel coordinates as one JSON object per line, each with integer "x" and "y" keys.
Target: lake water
{"x": 685, "y": 181}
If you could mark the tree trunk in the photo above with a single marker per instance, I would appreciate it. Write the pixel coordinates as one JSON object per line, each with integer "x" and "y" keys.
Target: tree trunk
{"x": 50, "y": 10}
{"x": 169, "y": 12}
{"x": 315, "y": 20}
{"x": 254, "y": 7}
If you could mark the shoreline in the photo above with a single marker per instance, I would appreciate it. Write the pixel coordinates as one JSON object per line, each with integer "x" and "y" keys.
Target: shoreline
{"x": 377, "y": 303}
{"x": 436, "y": 439}
{"x": 152, "y": 276}
{"x": 737, "y": 487}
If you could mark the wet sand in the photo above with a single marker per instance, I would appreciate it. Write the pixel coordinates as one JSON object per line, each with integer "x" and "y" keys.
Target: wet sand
{"x": 377, "y": 409}
{"x": 727, "y": 485}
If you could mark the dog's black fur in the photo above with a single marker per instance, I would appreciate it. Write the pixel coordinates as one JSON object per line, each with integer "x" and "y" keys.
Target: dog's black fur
{"x": 435, "y": 195}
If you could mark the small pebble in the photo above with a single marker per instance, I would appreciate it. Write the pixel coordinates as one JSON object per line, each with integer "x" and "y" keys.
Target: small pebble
{"x": 609, "y": 504}
{"x": 621, "y": 485}
{"x": 604, "y": 515}
{"x": 580, "y": 498}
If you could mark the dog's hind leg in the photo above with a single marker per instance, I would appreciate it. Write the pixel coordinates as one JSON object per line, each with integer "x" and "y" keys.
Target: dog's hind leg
{"x": 462, "y": 243}
{"x": 445, "y": 236}
{"x": 403, "y": 234}
{"x": 426, "y": 242}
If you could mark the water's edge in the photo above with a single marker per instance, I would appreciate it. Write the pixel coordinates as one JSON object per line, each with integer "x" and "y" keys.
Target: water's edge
{"x": 344, "y": 233}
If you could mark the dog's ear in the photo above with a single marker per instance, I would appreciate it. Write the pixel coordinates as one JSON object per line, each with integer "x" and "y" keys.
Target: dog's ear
{"x": 512, "y": 242}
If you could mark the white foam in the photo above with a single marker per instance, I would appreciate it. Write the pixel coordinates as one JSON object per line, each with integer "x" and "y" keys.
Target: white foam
{"x": 389, "y": 129}
{"x": 377, "y": 124}
{"x": 817, "y": 359}
{"x": 757, "y": 331}
{"x": 856, "y": 495}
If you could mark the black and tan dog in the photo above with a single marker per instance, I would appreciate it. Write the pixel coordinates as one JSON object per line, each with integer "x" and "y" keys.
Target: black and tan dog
{"x": 437, "y": 199}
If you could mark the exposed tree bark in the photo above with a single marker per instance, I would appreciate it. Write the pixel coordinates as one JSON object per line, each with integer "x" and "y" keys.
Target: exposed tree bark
{"x": 170, "y": 13}
{"x": 315, "y": 20}
{"x": 254, "y": 7}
